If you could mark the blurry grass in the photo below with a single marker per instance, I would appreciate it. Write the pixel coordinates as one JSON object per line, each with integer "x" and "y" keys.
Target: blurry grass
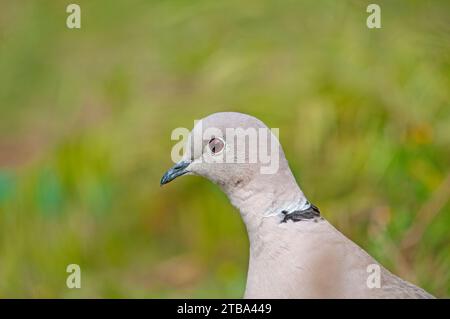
{"x": 86, "y": 117}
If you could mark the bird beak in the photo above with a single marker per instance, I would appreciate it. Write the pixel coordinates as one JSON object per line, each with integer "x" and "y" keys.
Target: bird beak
{"x": 177, "y": 170}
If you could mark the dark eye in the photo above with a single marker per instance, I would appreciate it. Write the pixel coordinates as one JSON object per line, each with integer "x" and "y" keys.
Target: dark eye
{"x": 216, "y": 145}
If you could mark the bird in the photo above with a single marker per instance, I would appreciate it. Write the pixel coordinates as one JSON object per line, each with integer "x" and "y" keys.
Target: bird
{"x": 295, "y": 253}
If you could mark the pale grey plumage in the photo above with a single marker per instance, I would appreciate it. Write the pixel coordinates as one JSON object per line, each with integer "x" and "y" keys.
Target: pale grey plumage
{"x": 308, "y": 258}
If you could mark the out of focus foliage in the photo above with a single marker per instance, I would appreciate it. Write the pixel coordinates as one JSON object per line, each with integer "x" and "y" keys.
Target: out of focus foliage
{"x": 86, "y": 117}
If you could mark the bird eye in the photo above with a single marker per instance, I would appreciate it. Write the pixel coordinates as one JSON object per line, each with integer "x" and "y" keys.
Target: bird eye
{"x": 216, "y": 145}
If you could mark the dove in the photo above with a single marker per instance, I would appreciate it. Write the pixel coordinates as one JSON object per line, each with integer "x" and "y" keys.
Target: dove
{"x": 294, "y": 251}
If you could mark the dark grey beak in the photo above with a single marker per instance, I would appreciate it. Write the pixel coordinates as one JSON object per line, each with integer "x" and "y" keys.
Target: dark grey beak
{"x": 177, "y": 170}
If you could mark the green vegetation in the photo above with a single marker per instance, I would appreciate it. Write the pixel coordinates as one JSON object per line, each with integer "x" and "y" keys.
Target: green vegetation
{"x": 86, "y": 117}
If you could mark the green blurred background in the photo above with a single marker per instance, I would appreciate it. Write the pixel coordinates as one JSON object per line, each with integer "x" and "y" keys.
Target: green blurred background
{"x": 86, "y": 117}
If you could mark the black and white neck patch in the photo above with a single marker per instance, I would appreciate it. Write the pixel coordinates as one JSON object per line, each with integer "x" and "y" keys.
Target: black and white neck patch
{"x": 310, "y": 213}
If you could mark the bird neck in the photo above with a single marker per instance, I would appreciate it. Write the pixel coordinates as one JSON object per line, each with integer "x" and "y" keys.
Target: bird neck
{"x": 264, "y": 199}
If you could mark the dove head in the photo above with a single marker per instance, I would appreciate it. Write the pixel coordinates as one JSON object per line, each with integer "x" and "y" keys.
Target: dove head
{"x": 242, "y": 155}
{"x": 229, "y": 149}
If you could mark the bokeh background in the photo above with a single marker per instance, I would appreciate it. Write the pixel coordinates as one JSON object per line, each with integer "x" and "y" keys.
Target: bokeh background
{"x": 86, "y": 117}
